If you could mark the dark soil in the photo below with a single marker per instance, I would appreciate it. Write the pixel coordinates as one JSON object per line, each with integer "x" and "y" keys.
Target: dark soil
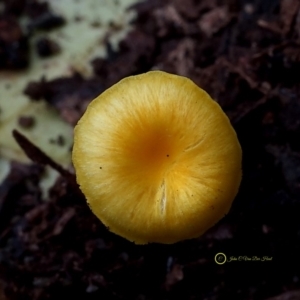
{"x": 246, "y": 54}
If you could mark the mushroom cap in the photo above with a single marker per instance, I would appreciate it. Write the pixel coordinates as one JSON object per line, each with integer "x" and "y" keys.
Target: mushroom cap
{"x": 157, "y": 158}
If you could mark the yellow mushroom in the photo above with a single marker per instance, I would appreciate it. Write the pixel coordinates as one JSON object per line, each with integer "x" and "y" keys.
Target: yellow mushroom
{"x": 157, "y": 158}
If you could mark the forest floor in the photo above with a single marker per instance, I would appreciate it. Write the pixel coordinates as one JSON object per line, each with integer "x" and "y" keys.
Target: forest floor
{"x": 246, "y": 55}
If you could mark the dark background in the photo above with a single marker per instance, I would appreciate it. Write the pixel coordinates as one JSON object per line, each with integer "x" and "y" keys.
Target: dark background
{"x": 246, "y": 55}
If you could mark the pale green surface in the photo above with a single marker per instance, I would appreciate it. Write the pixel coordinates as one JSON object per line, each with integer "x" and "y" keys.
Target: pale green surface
{"x": 80, "y": 42}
